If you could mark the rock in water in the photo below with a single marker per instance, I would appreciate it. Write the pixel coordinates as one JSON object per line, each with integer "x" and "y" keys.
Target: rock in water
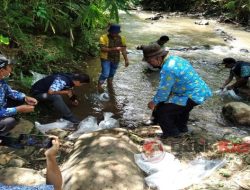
{"x": 237, "y": 112}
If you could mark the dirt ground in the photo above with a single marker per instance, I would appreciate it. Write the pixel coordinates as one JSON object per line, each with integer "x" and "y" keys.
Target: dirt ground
{"x": 104, "y": 160}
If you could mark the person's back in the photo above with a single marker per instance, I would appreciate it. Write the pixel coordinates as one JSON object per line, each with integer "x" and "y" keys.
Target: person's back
{"x": 43, "y": 85}
{"x": 187, "y": 81}
{"x": 241, "y": 69}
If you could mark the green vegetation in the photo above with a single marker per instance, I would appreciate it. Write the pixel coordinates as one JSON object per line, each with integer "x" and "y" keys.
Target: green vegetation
{"x": 4, "y": 40}
{"x": 44, "y": 33}
{"x": 238, "y": 10}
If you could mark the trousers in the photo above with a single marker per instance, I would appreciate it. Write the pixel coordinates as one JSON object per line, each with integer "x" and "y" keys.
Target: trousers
{"x": 108, "y": 70}
{"x": 173, "y": 118}
{"x": 6, "y": 124}
{"x": 57, "y": 101}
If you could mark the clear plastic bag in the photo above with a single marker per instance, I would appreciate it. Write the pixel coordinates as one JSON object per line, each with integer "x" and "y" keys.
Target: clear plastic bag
{"x": 89, "y": 124}
{"x": 36, "y": 76}
{"x": 228, "y": 93}
{"x": 171, "y": 175}
{"x": 59, "y": 124}
{"x": 168, "y": 162}
{"x": 108, "y": 121}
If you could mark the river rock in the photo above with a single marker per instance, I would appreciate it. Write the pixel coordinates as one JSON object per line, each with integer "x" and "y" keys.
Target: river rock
{"x": 244, "y": 50}
{"x": 204, "y": 115}
{"x": 202, "y": 22}
{"x": 16, "y": 162}
{"x": 21, "y": 176}
{"x": 246, "y": 139}
{"x": 103, "y": 160}
{"x": 28, "y": 150}
{"x": 157, "y": 16}
{"x": 23, "y": 127}
{"x": 237, "y": 112}
{"x": 58, "y": 132}
{"x": 4, "y": 159}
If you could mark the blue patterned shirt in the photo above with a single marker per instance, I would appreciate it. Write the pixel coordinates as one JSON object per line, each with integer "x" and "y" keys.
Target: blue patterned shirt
{"x": 19, "y": 187}
{"x": 6, "y": 91}
{"x": 179, "y": 81}
{"x": 58, "y": 84}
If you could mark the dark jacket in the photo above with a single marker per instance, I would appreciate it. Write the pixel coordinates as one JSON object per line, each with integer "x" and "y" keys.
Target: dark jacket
{"x": 43, "y": 85}
{"x": 241, "y": 69}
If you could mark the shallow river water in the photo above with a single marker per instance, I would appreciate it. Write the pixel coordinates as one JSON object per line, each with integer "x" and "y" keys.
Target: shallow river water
{"x": 133, "y": 88}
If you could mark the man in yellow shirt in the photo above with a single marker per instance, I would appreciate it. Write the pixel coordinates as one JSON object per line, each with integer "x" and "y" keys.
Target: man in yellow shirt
{"x": 111, "y": 45}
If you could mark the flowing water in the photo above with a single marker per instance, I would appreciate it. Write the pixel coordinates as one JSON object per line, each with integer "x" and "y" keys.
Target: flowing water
{"x": 133, "y": 88}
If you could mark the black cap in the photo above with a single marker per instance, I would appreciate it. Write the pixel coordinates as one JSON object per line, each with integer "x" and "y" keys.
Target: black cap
{"x": 228, "y": 60}
{"x": 4, "y": 62}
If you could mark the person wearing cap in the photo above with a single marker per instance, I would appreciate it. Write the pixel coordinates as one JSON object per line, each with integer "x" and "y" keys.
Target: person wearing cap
{"x": 7, "y": 111}
{"x": 52, "y": 87}
{"x": 161, "y": 42}
{"x": 179, "y": 90}
{"x": 111, "y": 45}
{"x": 238, "y": 69}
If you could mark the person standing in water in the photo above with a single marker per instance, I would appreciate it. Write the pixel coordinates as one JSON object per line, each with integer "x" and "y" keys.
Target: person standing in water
{"x": 111, "y": 45}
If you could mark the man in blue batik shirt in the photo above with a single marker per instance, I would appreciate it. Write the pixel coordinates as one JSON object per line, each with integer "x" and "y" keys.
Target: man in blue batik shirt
{"x": 52, "y": 87}
{"x": 180, "y": 89}
{"x": 7, "y": 121}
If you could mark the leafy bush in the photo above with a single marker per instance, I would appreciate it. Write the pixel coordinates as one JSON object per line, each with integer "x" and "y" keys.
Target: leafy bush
{"x": 51, "y": 31}
{"x": 238, "y": 10}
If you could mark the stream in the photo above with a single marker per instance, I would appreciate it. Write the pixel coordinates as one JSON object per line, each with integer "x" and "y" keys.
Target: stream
{"x": 203, "y": 45}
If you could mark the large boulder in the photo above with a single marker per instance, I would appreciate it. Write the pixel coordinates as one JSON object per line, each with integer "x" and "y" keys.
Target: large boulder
{"x": 103, "y": 160}
{"x": 23, "y": 127}
{"x": 21, "y": 176}
{"x": 237, "y": 112}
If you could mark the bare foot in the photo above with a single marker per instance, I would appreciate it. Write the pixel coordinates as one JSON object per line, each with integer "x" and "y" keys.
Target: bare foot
{"x": 51, "y": 152}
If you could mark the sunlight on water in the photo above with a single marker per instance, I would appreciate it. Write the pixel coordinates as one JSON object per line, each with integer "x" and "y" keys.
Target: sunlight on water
{"x": 133, "y": 88}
